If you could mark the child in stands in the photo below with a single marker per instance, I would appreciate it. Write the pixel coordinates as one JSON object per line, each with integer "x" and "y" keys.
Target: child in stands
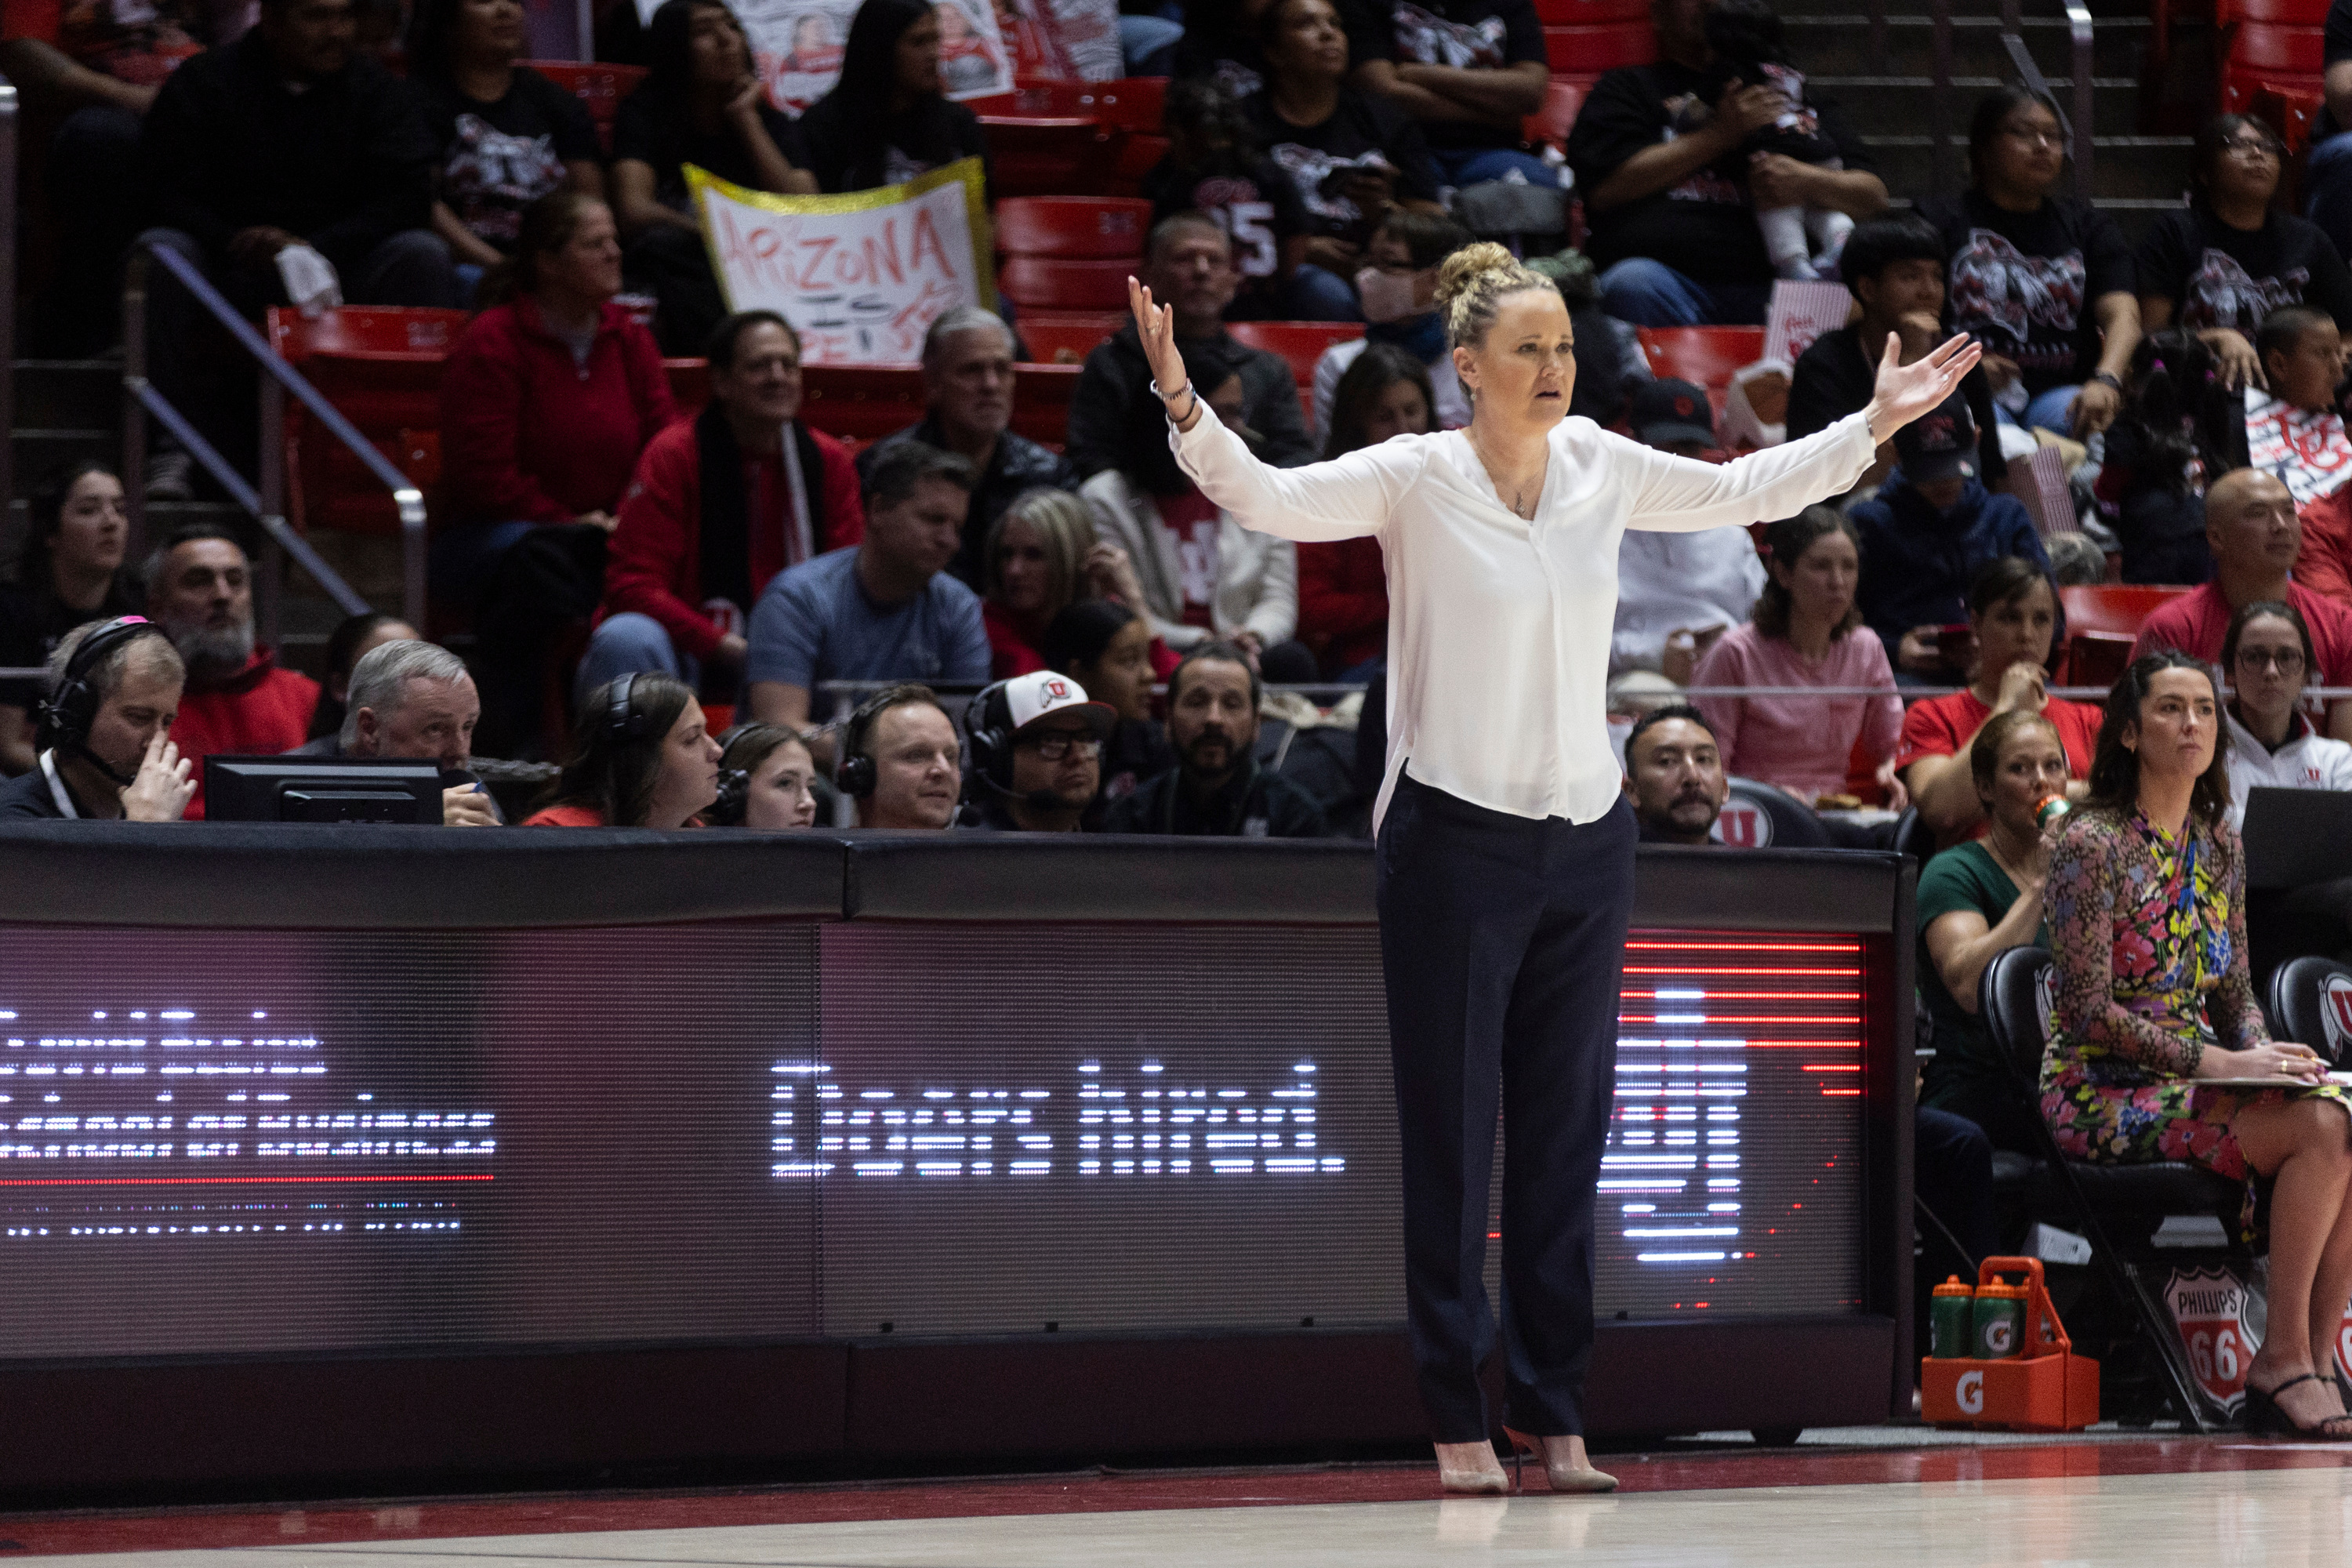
{"x": 1747, "y": 39}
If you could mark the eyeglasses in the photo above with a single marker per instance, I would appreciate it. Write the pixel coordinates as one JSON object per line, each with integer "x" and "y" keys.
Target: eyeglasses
{"x": 2249, "y": 144}
{"x": 2286, "y": 660}
{"x": 2034, "y": 137}
{"x": 1054, "y": 748}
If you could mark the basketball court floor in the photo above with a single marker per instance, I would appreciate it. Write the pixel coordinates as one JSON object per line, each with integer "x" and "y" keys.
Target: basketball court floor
{"x": 1874, "y": 1496}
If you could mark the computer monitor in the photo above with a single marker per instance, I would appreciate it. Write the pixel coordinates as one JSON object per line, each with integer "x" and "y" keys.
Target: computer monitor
{"x": 321, "y": 789}
{"x": 2295, "y": 836}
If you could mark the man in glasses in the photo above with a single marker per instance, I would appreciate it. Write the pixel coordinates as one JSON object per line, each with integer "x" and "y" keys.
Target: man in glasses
{"x": 1037, "y": 744}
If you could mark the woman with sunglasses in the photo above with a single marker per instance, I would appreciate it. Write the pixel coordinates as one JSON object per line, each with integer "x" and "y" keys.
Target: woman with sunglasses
{"x": 2218, "y": 265}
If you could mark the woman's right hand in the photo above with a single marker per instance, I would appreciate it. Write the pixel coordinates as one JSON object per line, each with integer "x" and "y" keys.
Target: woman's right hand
{"x": 1156, "y": 325}
{"x": 2023, "y": 687}
{"x": 745, "y": 99}
{"x": 2272, "y": 1058}
{"x": 1111, "y": 575}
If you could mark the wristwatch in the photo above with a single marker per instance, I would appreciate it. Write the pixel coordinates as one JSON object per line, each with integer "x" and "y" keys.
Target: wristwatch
{"x": 2107, "y": 378}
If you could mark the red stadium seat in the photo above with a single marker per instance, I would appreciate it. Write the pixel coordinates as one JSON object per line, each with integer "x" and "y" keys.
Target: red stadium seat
{"x": 1590, "y": 12}
{"x": 1583, "y": 53}
{"x": 381, "y": 368}
{"x": 1044, "y": 156}
{"x": 1048, "y": 340}
{"x": 1300, "y": 342}
{"x": 1035, "y": 280}
{"x": 1131, "y": 103}
{"x": 1073, "y": 229}
{"x": 1041, "y": 403}
{"x": 2096, "y": 658}
{"x": 2117, "y": 607}
{"x": 1705, "y": 356}
{"x": 862, "y": 401}
{"x": 600, "y": 86}
{"x": 2263, "y": 54}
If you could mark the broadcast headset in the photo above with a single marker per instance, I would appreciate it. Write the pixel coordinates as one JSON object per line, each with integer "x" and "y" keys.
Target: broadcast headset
{"x": 70, "y": 712}
{"x": 988, "y": 731}
{"x": 622, "y": 719}
{"x": 857, "y": 776}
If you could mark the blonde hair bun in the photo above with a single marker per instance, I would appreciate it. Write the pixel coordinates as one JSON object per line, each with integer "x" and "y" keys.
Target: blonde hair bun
{"x": 1471, "y": 282}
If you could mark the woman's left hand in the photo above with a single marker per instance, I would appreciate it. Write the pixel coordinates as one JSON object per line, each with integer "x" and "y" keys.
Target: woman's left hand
{"x": 1112, "y": 576}
{"x": 1897, "y": 798}
{"x": 1905, "y": 392}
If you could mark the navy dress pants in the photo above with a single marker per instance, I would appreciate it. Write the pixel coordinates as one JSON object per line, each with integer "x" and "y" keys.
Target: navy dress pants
{"x": 1504, "y": 944}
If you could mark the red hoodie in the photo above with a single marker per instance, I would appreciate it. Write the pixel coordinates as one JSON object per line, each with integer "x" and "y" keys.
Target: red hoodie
{"x": 529, "y": 435}
{"x": 260, "y": 711}
{"x": 654, "y": 564}
{"x": 1343, "y": 601}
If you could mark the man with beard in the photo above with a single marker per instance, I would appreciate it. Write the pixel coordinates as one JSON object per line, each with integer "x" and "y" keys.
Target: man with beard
{"x": 237, "y": 702}
{"x": 105, "y": 732}
{"x": 1217, "y": 789}
{"x": 1037, "y": 745}
{"x": 1674, "y": 776}
{"x": 967, "y": 388}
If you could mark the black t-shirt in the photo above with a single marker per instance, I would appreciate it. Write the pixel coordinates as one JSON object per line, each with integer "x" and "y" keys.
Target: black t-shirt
{"x": 2217, "y": 276}
{"x": 496, "y": 159}
{"x": 2025, "y": 283}
{"x": 652, "y": 131}
{"x": 1314, "y": 159}
{"x": 32, "y": 623}
{"x": 1703, "y": 227}
{"x": 843, "y": 156}
{"x": 1834, "y": 378}
{"x": 1468, "y": 35}
{"x": 1219, "y": 43}
{"x": 1251, "y": 200}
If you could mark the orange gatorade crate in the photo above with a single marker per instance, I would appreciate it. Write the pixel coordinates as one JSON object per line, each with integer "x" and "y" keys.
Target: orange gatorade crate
{"x": 2042, "y": 1387}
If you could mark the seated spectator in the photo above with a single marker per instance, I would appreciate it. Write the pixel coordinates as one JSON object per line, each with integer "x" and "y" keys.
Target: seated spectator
{"x": 2180, "y": 426}
{"x": 701, "y": 103}
{"x": 354, "y": 637}
{"x": 1928, "y": 531}
{"x": 70, "y": 571}
{"x": 1674, "y": 776}
{"x": 1043, "y": 557}
{"x": 1217, "y": 789}
{"x": 282, "y": 138}
{"x": 2327, "y": 194}
{"x": 1468, "y": 72}
{"x": 2147, "y": 928}
{"x": 883, "y": 609}
{"x": 713, "y": 514}
{"x": 413, "y": 700}
{"x": 1188, "y": 265}
{"x": 1978, "y": 899}
{"x": 902, "y": 761}
{"x": 2076, "y": 559}
{"x": 237, "y": 701}
{"x": 1343, "y": 588}
{"x": 506, "y": 135}
{"x": 1678, "y": 593}
{"x": 105, "y": 740}
{"x": 2218, "y": 265}
{"x": 2044, "y": 281}
{"x": 1893, "y": 265}
{"x": 967, "y": 392}
{"x": 1203, "y": 575}
{"x": 2266, "y": 657}
{"x": 2295, "y": 433}
{"x": 767, "y": 781}
{"x": 1036, "y": 743}
{"x": 2254, "y": 534}
{"x": 885, "y": 122}
{"x": 1215, "y": 166}
{"x": 91, "y": 72}
{"x": 1399, "y": 287}
{"x": 549, "y": 396}
{"x": 1610, "y": 364}
{"x": 1805, "y": 630}
{"x": 1106, "y": 648}
{"x": 1746, "y": 39}
{"x": 640, "y": 758}
{"x": 1351, "y": 158}
{"x": 2012, "y": 621}
{"x": 1668, "y": 197}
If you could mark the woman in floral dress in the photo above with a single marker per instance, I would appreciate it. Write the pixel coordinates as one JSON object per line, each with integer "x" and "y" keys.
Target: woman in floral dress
{"x": 2145, "y": 904}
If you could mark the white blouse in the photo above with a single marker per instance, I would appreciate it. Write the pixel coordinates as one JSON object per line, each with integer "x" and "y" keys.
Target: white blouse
{"x": 1499, "y": 628}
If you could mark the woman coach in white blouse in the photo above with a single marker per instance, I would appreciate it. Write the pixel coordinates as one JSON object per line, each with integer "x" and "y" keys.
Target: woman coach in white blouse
{"x": 1504, "y": 851}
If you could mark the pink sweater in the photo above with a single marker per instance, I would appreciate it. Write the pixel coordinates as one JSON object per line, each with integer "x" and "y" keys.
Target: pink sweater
{"x": 1800, "y": 743}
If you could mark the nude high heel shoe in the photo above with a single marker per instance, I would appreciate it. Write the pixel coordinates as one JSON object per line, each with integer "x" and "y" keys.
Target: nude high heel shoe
{"x": 1471, "y": 1470}
{"x": 1564, "y": 1462}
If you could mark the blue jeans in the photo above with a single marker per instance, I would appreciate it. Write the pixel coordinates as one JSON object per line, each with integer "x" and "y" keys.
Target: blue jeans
{"x": 462, "y": 560}
{"x": 2047, "y": 410}
{"x": 1318, "y": 294}
{"x": 2328, "y": 180}
{"x": 1474, "y": 165}
{"x": 631, "y": 644}
{"x": 1652, "y": 294}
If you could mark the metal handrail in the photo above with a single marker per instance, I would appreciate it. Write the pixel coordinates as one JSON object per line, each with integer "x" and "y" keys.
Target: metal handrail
{"x": 267, "y": 505}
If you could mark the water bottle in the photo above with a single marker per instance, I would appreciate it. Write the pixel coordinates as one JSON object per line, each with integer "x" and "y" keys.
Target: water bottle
{"x": 1999, "y": 1322}
{"x": 2052, "y": 811}
{"x": 1951, "y": 1318}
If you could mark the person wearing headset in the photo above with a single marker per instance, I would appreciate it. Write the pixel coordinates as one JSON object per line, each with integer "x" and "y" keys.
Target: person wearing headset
{"x": 1036, "y": 746}
{"x": 765, "y": 780}
{"x": 901, "y": 762}
{"x": 104, "y": 734}
{"x": 645, "y": 760}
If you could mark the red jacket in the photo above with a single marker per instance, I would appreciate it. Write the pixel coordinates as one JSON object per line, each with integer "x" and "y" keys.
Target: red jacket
{"x": 260, "y": 711}
{"x": 1343, "y": 601}
{"x": 654, "y": 564}
{"x": 527, "y": 435}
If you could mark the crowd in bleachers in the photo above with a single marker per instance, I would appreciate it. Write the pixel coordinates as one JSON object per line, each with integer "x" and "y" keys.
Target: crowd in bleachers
{"x": 606, "y": 519}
